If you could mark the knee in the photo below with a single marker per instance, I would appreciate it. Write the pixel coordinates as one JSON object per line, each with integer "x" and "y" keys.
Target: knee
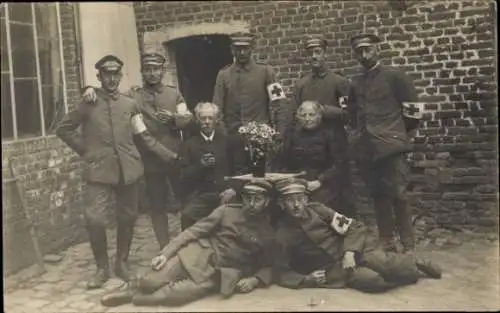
{"x": 368, "y": 281}
{"x": 94, "y": 219}
{"x": 127, "y": 217}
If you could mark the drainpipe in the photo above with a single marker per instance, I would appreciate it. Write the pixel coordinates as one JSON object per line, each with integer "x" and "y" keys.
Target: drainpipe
{"x": 78, "y": 42}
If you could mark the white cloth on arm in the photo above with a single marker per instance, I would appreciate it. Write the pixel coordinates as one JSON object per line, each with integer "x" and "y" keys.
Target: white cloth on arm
{"x": 340, "y": 223}
{"x": 275, "y": 91}
{"x": 138, "y": 126}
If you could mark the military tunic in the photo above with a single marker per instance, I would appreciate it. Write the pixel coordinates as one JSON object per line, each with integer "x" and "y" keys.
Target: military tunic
{"x": 312, "y": 243}
{"x": 226, "y": 245}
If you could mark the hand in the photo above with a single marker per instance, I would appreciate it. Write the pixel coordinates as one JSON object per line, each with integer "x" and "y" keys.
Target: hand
{"x": 313, "y": 185}
{"x": 164, "y": 116}
{"x": 247, "y": 284}
{"x": 89, "y": 95}
{"x": 158, "y": 262}
{"x": 227, "y": 195}
{"x": 207, "y": 160}
{"x": 349, "y": 263}
{"x": 316, "y": 278}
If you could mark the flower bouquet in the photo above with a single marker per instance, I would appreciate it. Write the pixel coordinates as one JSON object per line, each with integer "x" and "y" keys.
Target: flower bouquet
{"x": 261, "y": 143}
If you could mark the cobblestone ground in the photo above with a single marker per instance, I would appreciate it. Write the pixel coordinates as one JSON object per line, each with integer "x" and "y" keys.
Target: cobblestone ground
{"x": 470, "y": 283}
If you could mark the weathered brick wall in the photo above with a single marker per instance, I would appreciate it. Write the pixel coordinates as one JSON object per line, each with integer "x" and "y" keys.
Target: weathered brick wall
{"x": 50, "y": 174}
{"x": 446, "y": 46}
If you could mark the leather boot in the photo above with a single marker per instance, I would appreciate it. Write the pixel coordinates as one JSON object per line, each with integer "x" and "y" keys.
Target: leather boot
{"x": 125, "y": 233}
{"x": 118, "y": 297}
{"x": 99, "y": 246}
{"x": 429, "y": 268}
{"x": 160, "y": 228}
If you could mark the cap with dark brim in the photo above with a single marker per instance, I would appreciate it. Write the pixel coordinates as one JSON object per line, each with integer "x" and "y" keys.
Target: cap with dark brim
{"x": 109, "y": 63}
{"x": 153, "y": 59}
{"x": 257, "y": 186}
{"x": 291, "y": 185}
{"x": 242, "y": 39}
{"x": 364, "y": 40}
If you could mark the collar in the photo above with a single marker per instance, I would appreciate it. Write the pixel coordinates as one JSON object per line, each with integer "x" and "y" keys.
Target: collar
{"x": 247, "y": 67}
{"x": 115, "y": 95}
{"x": 158, "y": 88}
{"x": 208, "y": 138}
{"x": 322, "y": 71}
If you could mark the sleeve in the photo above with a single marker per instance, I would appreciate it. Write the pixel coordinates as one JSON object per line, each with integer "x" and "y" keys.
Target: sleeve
{"x": 191, "y": 168}
{"x": 282, "y": 272}
{"x": 336, "y": 150}
{"x": 278, "y": 109}
{"x": 353, "y": 230}
{"x": 67, "y": 129}
{"x": 265, "y": 273}
{"x": 404, "y": 88}
{"x": 294, "y": 104}
{"x": 140, "y": 131}
{"x": 352, "y": 107}
{"x": 219, "y": 97}
{"x": 180, "y": 98}
{"x": 202, "y": 228}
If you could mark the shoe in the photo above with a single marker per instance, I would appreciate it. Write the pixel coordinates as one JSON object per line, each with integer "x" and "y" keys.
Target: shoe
{"x": 428, "y": 268}
{"x": 122, "y": 271}
{"x": 153, "y": 299}
{"x": 100, "y": 277}
{"x": 121, "y": 296}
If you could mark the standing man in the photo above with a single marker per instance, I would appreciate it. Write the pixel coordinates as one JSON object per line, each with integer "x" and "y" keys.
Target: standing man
{"x": 327, "y": 88}
{"x": 166, "y": 117}
{"x": 205, "y": 162}
{"x": 247, "y": 91}
{"x": 378, "y": 100}
{"x": 112, "y": 163}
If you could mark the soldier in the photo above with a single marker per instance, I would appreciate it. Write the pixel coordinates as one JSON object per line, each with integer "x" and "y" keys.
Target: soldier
{"x": 328, "y": 88}
{"x": 320, "y": 247}
{"x": 166, "y": 117}
{"x": 205, "y": 162}
{"x": 230, "y": 250}
{"x": 112, "y": 163}
{"x": 377, "y": 100}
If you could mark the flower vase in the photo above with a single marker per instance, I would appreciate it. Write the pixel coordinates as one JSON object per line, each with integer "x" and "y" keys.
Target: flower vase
{"x": 259, "y": 167}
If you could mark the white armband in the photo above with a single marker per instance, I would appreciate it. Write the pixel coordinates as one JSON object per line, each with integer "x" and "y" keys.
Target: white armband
{"x": 183, "y": 109}
{"x": 413, "y": 109}
{"x": 138, "y": 125}
{"x": 340, "y": 223}
{"x": 275, "y": 91}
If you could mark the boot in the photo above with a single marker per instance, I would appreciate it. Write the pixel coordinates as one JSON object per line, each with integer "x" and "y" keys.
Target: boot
{"x": 160, "y": 228}
{"x": 99, "y": 246}
{"x": 121, "y": 296}
{"x": 428, "y": 268}
{"x": 125, "y": 233}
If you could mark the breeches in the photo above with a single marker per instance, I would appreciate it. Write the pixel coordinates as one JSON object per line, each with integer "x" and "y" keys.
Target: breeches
{"x": 98, "y": 196}
{"x": 387, "y": 177}
{"x": 159, "y": 191}
{"x": 199, "y": 205}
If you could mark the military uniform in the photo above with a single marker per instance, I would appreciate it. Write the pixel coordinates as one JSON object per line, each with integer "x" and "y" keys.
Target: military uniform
{"x": 381, "y": 140}
{"x": 112, "y": 164}
{"x": 214, "y": 253}
{"x": 327, "y": 88}
{"x": 322, "y": 156}
{"x": 319, "y": 240}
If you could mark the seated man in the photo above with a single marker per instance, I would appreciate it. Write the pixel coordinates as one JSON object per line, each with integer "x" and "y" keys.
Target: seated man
{"x": 230, "y": 250}
{"x": 321, "y": 152}
{"x": 205, "y": 162}
{"x": 322, "y": 248}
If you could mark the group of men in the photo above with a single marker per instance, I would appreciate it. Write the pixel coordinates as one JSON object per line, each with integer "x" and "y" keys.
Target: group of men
{"x": 229, "y": 239}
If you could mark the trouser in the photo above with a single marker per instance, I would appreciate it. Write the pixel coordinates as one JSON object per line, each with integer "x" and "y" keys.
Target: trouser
{"x": 97, "y": 198}
{"x": 379, "y": 271}
{"x": 199, "y": 205}
{"x": 161, "y": 198}
{"x": 172, "y": 285}
{"x": 387, "y": 180}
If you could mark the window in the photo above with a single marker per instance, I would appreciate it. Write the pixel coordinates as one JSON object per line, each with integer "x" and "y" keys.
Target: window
{"x": 33, "y": 79}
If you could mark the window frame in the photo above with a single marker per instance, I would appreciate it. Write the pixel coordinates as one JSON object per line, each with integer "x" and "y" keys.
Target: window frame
{"x": 15, "y": 135}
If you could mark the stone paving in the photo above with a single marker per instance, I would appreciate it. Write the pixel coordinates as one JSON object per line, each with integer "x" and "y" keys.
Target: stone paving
{"x": 470, "y": 282}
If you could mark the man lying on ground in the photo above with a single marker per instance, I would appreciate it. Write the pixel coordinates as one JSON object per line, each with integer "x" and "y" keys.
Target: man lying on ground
{"x": 321, "y": 248}
{"x": 230, "y": 250}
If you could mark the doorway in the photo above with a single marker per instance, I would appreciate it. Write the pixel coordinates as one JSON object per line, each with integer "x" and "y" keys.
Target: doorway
{"x": 198, "y": 60}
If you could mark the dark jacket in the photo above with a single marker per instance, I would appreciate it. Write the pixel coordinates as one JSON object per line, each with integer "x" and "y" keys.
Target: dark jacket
{"x": 312, "y": 243}
{"x": 227, "y": 242}
{"x": 106, "y": 139}
{"x": 375, "y": 112}
{"x": 150, "y": 101}
{"x": 241, "y": 93}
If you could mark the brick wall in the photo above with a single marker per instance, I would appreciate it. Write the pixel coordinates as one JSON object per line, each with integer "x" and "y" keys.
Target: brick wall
{"x": 446, "y": 46}
{"x": 49, "y": 173}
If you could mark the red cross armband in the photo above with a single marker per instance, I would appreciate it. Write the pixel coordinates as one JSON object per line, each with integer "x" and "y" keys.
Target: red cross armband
{"x": 413, "y": 110}
{"x": 275, "y": 91}
{"x": 341, "y": 223}
{"x": 138, "y": 126}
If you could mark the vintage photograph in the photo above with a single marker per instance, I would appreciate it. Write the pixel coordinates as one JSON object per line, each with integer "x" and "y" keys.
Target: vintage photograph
{"x": 225, "y": 156}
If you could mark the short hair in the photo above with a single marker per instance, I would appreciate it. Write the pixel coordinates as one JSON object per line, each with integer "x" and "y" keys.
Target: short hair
{"x": 316, "y": 104}
{"x": 202, "y": 105}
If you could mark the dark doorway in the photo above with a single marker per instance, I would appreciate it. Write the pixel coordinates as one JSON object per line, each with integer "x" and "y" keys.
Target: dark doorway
{"x": 198, "y": 60}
